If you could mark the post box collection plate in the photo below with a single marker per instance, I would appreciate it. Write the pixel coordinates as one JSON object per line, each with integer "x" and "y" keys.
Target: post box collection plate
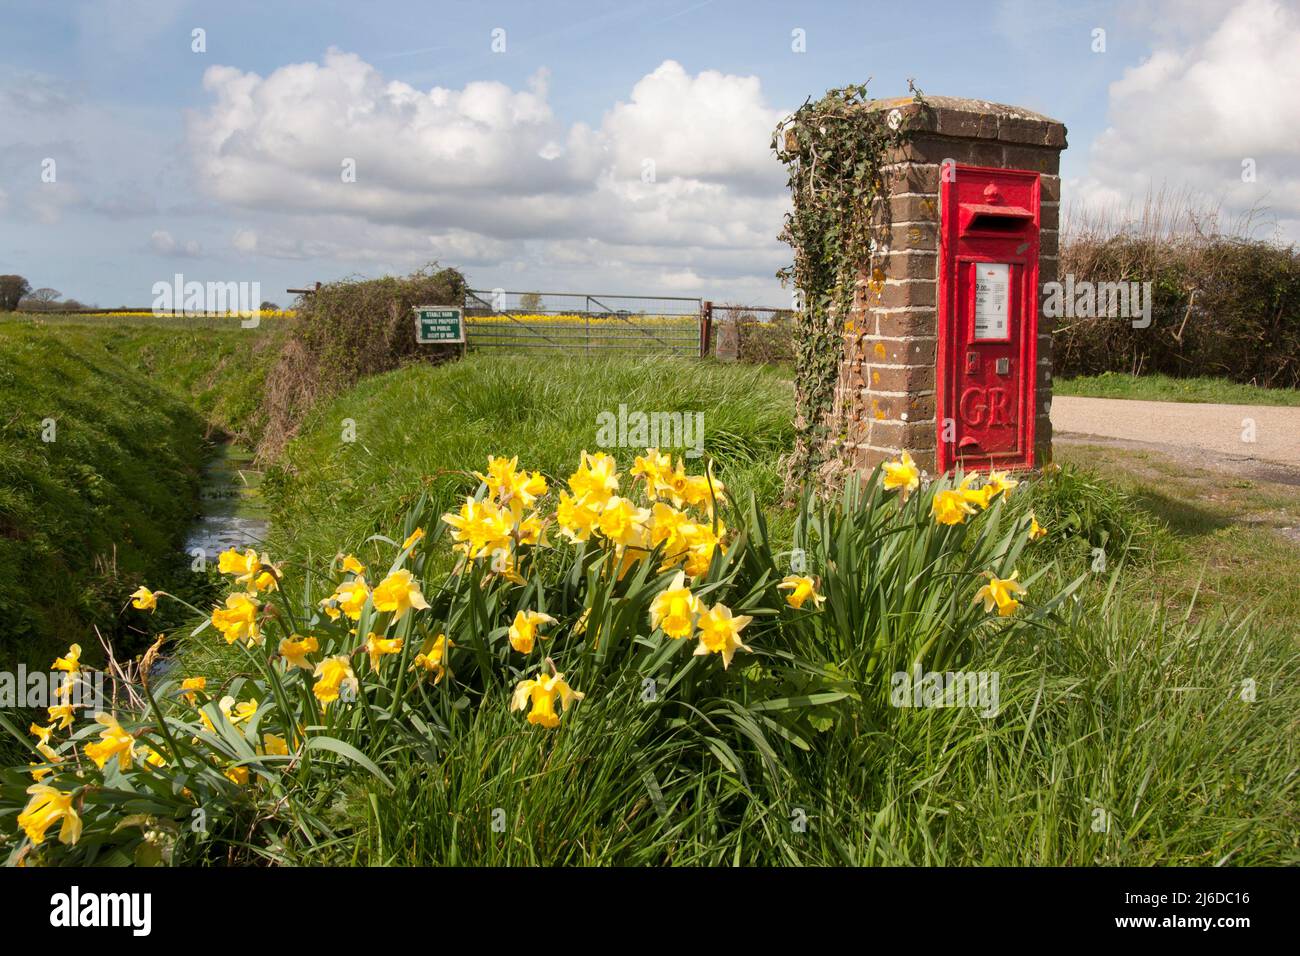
{"x": 988, "y": 318}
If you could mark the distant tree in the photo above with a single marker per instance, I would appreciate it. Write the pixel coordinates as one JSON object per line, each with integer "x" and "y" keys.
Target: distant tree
{"x": 41, "y": 300}
{"x": 12, "y": 289}
{"x": 530, "y": 302}
{"x": 269, "y": 307}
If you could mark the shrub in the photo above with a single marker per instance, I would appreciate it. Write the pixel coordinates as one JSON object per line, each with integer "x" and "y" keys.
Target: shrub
{"x": 1224, "y": 305}
{"x": 345, "y": 331}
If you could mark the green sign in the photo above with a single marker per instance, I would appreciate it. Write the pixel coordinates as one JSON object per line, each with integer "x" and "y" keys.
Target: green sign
{"x": 437, "y": 325}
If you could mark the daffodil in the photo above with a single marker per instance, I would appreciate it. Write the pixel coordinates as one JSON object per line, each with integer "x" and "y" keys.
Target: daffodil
{"x": 657, "y": 469}
{"x": 720, "y": 633}
{"x": 377, "y": 647}
{"x": 295, "y": 649}
{"x": 981, "y": 496}
{"x": 433, "y": 656}
{"x": 190, "y": 685}
{"x": 801, "y": 589}
{"x": 701, "y": 541}
{"x": 577, "y": 518}
{"x": 398, "y": 593}
{"x": 512, "y": 489}
{"x": 350, "y": 563}
{"x": 999, "y": 483}
{"x": 274, "y": 745}
{"x": 62, "y": 714}
{"x": 113, "y": 742}
{"x": 1036, "y": 530}
{"x": 480, "y": 528}
{"x": 675, "y": 609}
{"x": 250, "y": 569}
{"x": 524, "y": 629}
{"x": 238, "y": 619}
{"x": 47, "y": 807}
{"x": 42, "y": 732}
{"x": 349, "y": 598}
{"x": 237, "y": 775}
{"x": 951, "y": 507}
{"x": 901, "y": 475}
{"x": 622, "y": 522}
{"x": 237, "y": 713}
{"x": 332, "y": 674}
{"x": 70, "y": 662}
{"x": 414, "y": 538}
{"x": 596, "y": 479}
{"x": 143, "y": 599}
{"x": 1000, "y": 593}
{"x": 542, "y": 692}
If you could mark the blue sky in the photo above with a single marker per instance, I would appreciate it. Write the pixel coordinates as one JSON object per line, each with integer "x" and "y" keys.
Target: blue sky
{"x": 224, "y": 164}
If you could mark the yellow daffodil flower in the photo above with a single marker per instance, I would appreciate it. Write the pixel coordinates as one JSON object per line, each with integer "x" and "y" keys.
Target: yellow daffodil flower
{"x": 596, "y": 479}
{"x": 720, "y": 633}
{"x": 523, "y": 630}
{"x": 332, "y": 674}
{"x": 951, "y": 507}
{"x": 143, "y": 599}
{"x": 47, "y": 807}
{"x": 113, "y": 742}
{"x": 62, "y": 714}
{"x": 70, "y": 662}
{"x": 622, "y": 522}
{"x": 657, "y": 469}
{"x": 398, "y": 593}
{"x": 295, "y": 649}
{"x": 675, "y": 609}
{"x": 274, "y": 745}
{"x": 1036, "y": 530}
{"x": 576, "y": 517}
{"x": 433, "y": 657}
{"x": 1000, "y": 593}
{"x": 192, "y": 684}
{"x": 801, "y": 589}
{"x": 512, "y": 489}
{"x": 377, "y": 647}
{"x": 902, "y": 475}
{"x": 350, "y": 563}
{"x": 542, "y": 693}
{"x": 238, "y": 776}
{"x": 481, "y": 528}
{"x": 42, "y": 732}
{"x": 348, "y": 598}
{"x": 414, "y": 538}
{"x": 999, "y": 483}
{"x": 238, "y": 619}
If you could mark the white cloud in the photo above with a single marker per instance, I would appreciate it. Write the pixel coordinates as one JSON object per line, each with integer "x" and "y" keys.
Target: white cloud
{"x": 487, "y": 176}
{"x": 165, "y": 244}
{"x": 1197, "y": 108}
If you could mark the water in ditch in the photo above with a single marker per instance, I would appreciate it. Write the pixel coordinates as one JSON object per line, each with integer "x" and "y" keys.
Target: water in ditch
{"x": 232, "y": 513}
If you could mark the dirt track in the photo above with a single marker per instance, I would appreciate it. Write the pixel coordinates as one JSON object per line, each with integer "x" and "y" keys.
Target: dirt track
{"x": 1204, "y": 433}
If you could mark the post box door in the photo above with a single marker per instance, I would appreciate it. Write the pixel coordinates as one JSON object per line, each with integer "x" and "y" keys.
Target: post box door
{"x": 988, "y": 319}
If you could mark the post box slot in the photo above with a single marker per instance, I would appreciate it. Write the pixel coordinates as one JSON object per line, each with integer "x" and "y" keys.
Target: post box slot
{"x": 999, "y": 220}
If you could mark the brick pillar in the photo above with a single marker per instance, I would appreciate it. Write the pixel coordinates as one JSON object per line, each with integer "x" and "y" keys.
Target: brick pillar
{"x": 885, "y": 397}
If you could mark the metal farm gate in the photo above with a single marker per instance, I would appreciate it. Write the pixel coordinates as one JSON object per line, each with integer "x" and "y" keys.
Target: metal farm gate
{"x": 589, "y": 323}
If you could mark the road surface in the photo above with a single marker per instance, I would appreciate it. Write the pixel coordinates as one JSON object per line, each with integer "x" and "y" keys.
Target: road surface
{"x": 1245, "y": 433}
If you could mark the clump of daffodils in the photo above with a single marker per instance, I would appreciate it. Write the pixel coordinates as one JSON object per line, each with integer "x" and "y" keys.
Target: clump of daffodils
{"x": 378, "y": 636}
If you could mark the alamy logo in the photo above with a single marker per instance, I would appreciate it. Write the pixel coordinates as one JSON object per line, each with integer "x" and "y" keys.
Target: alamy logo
{"x": 665, "y": 430}
{"x": 208, "y": 298}
{"x": 977, "y": 689}
{"x": 1098, "y": 300}
{"x": 102, "y": 909}
{"x": 39, "y": 689}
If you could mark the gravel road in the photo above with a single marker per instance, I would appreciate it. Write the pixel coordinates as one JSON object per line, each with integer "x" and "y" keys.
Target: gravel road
{"x": 1220, "y": 430}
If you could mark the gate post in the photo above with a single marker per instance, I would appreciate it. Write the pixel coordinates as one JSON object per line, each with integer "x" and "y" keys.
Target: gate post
{"x": 890, "y": 394}
{"x": 706, "y": 327}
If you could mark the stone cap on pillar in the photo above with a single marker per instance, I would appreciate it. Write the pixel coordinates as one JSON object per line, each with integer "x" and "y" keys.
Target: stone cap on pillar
{"x": 962, "y": 118}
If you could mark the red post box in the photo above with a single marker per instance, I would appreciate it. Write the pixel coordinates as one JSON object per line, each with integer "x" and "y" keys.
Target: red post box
{"x": 988, "y": 318}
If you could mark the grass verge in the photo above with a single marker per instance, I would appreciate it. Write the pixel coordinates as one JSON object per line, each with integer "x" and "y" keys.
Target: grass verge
{"x": 1164, "y": 388}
